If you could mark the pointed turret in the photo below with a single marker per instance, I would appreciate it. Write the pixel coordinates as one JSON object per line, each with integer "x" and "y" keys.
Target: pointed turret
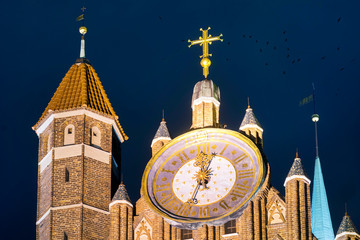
{"x": 251, "y": 126}
{"x": 297, "y": 198}
{"x": 161, "y": 137}
{"x": 320, "y": 213}
{"x": 121, "y": 215}
{"x": 347, "y": 230}
{"x": 121, "y": 194}
{"x": 297, "y": 171}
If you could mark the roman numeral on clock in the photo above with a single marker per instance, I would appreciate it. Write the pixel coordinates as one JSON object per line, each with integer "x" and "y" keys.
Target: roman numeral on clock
{"x": 240, "y": 190}
{"x": 163, "y": 187}
{"x": 182, "y": 156}
{"x": 203, "y": 147}
{"x": 240, "y": 158}
{"x": 248, "y": 173}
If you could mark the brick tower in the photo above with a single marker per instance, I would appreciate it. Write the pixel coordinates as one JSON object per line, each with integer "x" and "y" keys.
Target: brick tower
{"x": 297, "y": 197}
{"x": 79, "y": 157}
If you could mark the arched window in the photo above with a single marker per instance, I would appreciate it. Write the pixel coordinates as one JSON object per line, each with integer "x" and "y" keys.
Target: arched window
{"x": 186, "y": 234}
{"x": 49, "y": 142}
{"x": 230, "y": 227}
{"x": 69, "y": 135}
{"x": 65, "y": 236}
{"x": 95, "y": 138}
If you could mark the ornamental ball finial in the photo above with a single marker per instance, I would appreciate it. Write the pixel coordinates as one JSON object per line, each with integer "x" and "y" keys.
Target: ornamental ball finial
{"x": 315, "y": 117}
{"x": 83, "y": 30}
{"x": 205, "y": 62}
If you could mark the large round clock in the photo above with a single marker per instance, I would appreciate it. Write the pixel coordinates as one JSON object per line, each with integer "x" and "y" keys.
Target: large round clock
{"x": 203, "y": 176}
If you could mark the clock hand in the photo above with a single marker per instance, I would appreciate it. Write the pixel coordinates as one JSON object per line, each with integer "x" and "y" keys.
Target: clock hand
{"x": 202, "y": 176}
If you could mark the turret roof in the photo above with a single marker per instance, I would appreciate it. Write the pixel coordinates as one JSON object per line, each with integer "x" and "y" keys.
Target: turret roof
{"x": 347, "y": 225}
{"x": 81, "y": 88}
{"x": 162, "y": 131}
{"x": 121, "y": 194}
{"x": 249, "y": 119}
{"x": 297, "y": 169}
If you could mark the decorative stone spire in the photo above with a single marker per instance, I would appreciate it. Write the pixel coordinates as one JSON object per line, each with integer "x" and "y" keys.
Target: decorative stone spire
{"x": 162, "y": 133}
{"x": 347, "y": 229}
{"x": 250, "y": 125}
{"x": 297, "y": 171}
{"x": 121, "y": 194}
{"x": 161, "y": 137}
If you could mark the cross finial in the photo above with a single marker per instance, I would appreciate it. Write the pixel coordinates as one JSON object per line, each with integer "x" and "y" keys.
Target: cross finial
{"x": 163, "y": 115}
{"x": 204, "y": 41}
{"x": 248, "y": 102}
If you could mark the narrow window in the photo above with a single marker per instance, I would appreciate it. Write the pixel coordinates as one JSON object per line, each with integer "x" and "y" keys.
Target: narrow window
{"x": 49, "y": 141}
{"x": 69, "y": 135}
{"x": 67, "y": 175}
{"x": 186, "y": 234}
{"x": 95, "y": 138}
{"x": 65, "y": 236}
{"x": 230, "y": 227}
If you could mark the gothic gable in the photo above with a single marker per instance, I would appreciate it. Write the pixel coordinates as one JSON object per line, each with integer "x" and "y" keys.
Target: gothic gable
{"x": 143, "y": 231}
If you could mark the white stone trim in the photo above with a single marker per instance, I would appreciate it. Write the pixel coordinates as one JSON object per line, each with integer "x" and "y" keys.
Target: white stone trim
{"x": 206, "y": 100}
{"x": 230, "y": 235}
{"x": 43, "y": 126}
{"x": 95, "y": 209}
{"x": 97, "y": 154}
{"x": 251, "y": 126}
{"x": 120, "y": 201}
{"x": 43, "y": 217}
{"x": 296, "y": 176}
{"x": 159, "y": 139}
{"x": 88, "y": 113}
{"x": 346, "y": 233}
{"x": 70, "y": 206}
{"x": 68, "y": 151}
{"x": 46, "y": 160}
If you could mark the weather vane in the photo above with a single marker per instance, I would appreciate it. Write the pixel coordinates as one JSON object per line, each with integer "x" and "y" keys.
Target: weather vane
{"x": 83, "y": 31}
{"x": 204, "y": 41}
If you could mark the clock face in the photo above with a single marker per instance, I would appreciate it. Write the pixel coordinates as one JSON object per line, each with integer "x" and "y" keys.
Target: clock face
{"x": 203, "y": 176}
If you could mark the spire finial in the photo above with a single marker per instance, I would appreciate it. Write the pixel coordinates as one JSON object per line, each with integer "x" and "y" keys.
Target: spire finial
{"x": 297, "y": 153}
{"x": 346, "y": 212}
{"x": 315, "y": 119}
{"x": 248, "y": 102}
{"x": 204, "y": 41}
{"x": 163, "y": 116}
{"x": 83, "y": 31}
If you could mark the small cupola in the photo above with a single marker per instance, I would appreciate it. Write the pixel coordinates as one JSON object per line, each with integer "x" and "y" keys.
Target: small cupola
{"x": 297, "y": 171}
{"x": 347, "y": 229}
{"x": 251, "y": 126}
{"x": 161, "y": 137}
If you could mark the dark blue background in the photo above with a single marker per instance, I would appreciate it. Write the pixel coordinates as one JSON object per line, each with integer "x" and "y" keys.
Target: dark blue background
{"x": 139, "y": 52}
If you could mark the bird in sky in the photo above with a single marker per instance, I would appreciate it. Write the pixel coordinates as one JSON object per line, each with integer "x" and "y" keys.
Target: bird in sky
{"x": 339, "y": 19}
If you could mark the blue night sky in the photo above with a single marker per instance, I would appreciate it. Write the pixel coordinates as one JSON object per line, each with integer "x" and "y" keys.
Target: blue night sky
{"x": 272, "y": 52}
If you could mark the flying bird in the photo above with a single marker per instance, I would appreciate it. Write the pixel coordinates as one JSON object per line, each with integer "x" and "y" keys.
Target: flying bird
{"x": 286, "y": 40}
{"x": 283, "y": 72}
{"x": 293, "y": 61}
{"x": 274, "y": 47}
{"x": 284, "y": 32}
{"x": 260, "y": 50}
{"x": 323, "y": 57}
{"x": 250, "y": 36}
{"x": 256, "y": 41}
{"x": 338, "y": 48}
{"x": 339, "y": 19}
{"x": 267, "y": 42}
{"x": 160, "y": 18}
{"x": 299, "y": 59}
{"x": 244, "y": 36}
{"x": 228, "y": 43}
{"x": 342, "y": 69}
{"x": 266, "y": 64}
{"x": 288, "y": 55}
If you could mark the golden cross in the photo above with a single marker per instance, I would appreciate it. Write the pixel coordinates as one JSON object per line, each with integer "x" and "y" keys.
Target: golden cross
{"x": 204, "y": 41}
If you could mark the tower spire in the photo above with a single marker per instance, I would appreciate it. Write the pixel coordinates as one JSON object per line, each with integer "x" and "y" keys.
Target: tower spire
{"x": 320, "y": 213}
{"x": 204, "y": 41}
{"x": 83, "y": 31}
